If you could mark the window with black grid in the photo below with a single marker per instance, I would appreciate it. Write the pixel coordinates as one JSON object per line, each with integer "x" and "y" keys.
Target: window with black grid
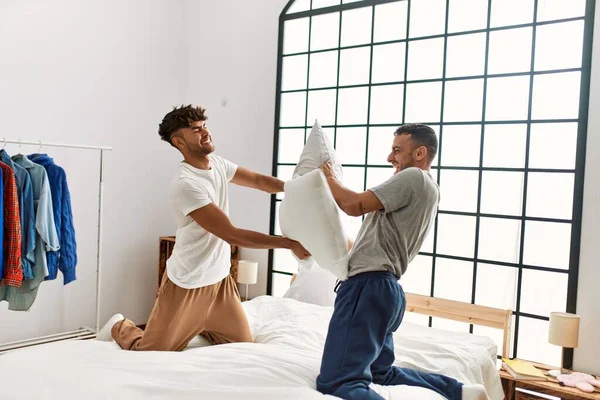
{"x": 505, "y": 84}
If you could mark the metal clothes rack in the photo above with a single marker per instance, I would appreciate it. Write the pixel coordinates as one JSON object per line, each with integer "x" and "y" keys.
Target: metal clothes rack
{"x": 84, "y": 332}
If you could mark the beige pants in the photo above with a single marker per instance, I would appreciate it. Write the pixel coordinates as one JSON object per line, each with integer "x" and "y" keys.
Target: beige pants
{"x": 179, "y": 315}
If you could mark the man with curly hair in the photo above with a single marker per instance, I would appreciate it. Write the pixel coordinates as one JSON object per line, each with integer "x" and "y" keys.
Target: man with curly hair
{"x": 197, "y": 294}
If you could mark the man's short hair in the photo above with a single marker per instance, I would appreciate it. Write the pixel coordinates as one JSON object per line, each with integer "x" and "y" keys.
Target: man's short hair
{"x": 421, "y": 135}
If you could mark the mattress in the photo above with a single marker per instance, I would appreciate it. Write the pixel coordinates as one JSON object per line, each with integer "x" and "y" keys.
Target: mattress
{"x": 283, "y": 363}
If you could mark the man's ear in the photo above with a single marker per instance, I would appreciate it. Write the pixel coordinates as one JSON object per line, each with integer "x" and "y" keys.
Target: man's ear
{"x": 420, "y": 153}
{"x": 178, "y": 142}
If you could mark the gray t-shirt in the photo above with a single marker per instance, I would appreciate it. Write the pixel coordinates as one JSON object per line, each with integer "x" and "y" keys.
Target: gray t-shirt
{"x": 388, "y": 240}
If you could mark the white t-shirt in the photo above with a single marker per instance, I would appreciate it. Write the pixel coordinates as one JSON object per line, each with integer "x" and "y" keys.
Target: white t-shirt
{"x": 199, "y": 258}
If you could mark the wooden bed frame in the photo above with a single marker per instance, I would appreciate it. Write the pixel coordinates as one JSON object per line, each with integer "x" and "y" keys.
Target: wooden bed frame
{"x": 464, "y": 312}
{"x": 496, "y": 318}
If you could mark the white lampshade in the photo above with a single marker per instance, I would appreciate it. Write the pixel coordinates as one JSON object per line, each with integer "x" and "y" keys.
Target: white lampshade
{"x": 564, "y": 330}
{"x": 247, "y": 272}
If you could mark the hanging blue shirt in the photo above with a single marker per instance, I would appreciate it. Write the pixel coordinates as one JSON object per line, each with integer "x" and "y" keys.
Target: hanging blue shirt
{"x": 25, "y": 194}
{"x": 66, "y": 258}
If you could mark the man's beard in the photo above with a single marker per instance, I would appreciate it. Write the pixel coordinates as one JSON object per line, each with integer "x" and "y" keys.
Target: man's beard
{"x": 410, "y": 163}
{"x": 403, "y": 166}
{"x": 202, "y": 150}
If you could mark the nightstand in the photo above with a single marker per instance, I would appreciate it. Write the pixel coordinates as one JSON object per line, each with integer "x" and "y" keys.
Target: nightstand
{"x": 549, "y": 387}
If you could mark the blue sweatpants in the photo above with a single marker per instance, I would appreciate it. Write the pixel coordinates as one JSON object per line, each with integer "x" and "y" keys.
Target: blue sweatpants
{"x": 359, "y": 348}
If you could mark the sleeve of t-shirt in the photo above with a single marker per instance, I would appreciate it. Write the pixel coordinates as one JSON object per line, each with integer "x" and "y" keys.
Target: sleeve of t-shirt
{"x": 229, "y": 167}
{"x": 189, "y": 196}
{"x": 398, "y": 191}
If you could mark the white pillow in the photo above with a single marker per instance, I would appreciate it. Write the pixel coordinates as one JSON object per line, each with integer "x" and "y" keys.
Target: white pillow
{"x": 317, "y": 151}
{"x": 313, "y": 285}
{"x": 309, "y": 214}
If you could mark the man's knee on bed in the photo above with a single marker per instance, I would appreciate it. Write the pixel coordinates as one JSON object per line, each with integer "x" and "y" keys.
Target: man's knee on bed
{"x": 241, "y": 336}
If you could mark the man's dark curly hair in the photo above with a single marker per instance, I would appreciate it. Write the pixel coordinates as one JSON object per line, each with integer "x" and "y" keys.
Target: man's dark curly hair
{"x": 180, "y": 117}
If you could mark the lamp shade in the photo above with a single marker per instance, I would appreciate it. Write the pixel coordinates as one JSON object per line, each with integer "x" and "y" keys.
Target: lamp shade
{"x": 247, "y": 272}
{"x": 564, "y": 330}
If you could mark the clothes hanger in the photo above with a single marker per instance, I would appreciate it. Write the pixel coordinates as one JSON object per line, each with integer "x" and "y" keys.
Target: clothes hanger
{"x": 19, "y": 153}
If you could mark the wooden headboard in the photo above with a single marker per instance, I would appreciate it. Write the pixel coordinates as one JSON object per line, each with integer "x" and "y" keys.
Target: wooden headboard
{"x": 463, "y": 312}
{"x": 166, "y": 244}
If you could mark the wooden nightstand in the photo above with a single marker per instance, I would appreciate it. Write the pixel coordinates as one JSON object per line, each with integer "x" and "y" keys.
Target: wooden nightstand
{"x": 549, "y": 387}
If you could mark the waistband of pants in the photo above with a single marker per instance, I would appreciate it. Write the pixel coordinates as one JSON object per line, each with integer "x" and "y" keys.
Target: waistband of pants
{"x": 373, "y": 275}
{"x": 367, "y": 275}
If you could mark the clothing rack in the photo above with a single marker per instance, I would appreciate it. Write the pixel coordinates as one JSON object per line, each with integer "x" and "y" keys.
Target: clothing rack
{"x": 84, "y": 332}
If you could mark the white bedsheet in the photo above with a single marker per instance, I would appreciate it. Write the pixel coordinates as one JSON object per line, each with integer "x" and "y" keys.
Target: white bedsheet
{"x": 282, "y": 364}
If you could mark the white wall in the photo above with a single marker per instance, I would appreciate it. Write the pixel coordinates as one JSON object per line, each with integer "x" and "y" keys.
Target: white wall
{"x": 234, "y": 78}
{"x": 96, "y": 73}
{"x": 587, "y": 356}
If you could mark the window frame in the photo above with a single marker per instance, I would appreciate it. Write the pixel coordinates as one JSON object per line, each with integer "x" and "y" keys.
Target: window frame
{"x": 579, "y": 171}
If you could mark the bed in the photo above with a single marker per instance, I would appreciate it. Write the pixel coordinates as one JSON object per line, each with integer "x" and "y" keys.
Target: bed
{"x": 283, "y": 363}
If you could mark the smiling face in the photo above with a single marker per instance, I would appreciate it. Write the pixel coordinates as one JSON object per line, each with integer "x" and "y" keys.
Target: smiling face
{"x": 406, "y": 153}
{"x": 194, "y": 140}
{"x": 401, "y": 156}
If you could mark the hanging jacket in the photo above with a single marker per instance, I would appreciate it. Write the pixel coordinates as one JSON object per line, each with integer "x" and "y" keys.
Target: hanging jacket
{"x": 1, "y": 230}
{"x": 22, "y": 298}
{"x": 66, "y": 258}
{"x": 13, "y": 269}
{"x": 25, "y": 196}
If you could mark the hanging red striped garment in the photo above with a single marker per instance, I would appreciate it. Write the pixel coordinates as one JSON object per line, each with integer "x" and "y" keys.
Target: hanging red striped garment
{"x": 13, "y": 269}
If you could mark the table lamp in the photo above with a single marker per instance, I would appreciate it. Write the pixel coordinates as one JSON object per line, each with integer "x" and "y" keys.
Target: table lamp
{"x": 564, "y": 332}
{"x": 247, "y": 273}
